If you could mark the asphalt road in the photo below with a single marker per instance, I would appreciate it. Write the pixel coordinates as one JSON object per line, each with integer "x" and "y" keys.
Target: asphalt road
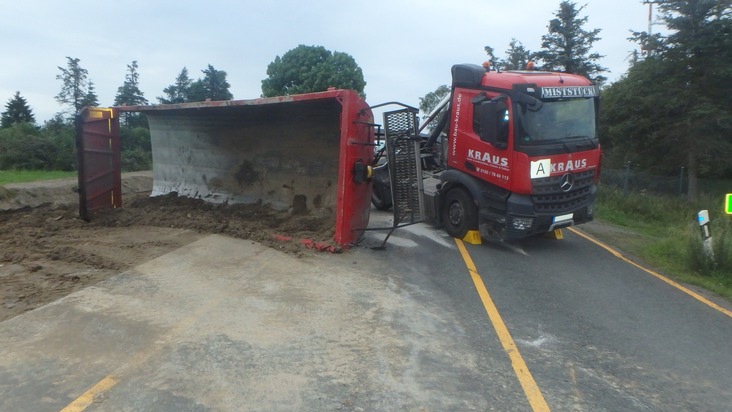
{"x": 595, "y": 332}
{"x": 225, "y": 324}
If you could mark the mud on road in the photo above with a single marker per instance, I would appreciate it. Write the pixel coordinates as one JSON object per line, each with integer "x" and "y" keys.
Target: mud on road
{"x": 47, "y": 252}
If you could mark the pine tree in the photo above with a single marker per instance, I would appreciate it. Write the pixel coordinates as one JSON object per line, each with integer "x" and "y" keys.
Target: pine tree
{"x": 671, "y": 110}
{"x": 178, "y": 92}
{"x": 16, "y": 111}
{"x": 129, "y": 94}
{"x": 213, "y": 86}
{"x": 517, "y": 57}
{"x": 90, "y": 98}
{"x": 567, "y": 47}
{"x": 77, "y": 90}
{"x": 698, "y": 54}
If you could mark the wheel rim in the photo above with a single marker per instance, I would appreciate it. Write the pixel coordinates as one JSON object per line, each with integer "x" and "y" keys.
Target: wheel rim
{"x": 455, "y": 213}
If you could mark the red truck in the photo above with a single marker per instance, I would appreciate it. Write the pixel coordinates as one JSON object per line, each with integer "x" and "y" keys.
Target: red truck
{"x": 514, "y": 154}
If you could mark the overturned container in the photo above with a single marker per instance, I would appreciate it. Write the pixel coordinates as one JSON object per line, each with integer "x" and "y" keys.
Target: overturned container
{"x": 307, "y": 154}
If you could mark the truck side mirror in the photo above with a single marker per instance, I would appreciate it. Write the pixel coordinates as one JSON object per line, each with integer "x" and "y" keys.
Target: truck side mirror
{"x": 492, "y": 116}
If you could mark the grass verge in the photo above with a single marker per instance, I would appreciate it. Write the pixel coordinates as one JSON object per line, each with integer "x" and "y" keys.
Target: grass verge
{"x": 23, "y": 176}
{"x": 664, "y": 233}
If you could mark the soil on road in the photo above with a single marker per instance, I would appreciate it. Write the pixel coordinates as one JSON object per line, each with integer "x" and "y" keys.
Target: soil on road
{"x": 47, "y": 252}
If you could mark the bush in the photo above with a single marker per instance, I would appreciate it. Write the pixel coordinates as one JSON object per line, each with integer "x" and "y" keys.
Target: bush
{"x": 136, "y": 159}
{"x": 672, "y": 238}
{"x": 652, "y": 212}
{"x": 23, "y": 146}
{"x": 719, "y": 263}
{"x": 136, "y": 149}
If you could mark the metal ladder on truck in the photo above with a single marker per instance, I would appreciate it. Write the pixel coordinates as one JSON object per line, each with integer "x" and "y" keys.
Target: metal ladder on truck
{"x": 405, "y": 168}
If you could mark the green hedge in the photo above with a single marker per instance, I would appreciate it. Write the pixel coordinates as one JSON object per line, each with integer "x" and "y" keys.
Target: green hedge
{"x": 24, "y": 146}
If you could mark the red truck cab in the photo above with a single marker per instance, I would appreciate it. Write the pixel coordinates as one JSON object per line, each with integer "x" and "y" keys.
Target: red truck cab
{"x": 524, "y": 146}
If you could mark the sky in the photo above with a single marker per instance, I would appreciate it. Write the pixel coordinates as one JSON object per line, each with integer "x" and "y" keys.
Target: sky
{"x": 404, "y": 47}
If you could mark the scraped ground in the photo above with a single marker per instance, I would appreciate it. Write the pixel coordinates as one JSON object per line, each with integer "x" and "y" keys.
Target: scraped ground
{"x": 47, "y": 252}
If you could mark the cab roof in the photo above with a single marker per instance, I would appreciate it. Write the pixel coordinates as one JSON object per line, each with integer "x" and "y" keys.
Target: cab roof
{"x": 473, "y": 76}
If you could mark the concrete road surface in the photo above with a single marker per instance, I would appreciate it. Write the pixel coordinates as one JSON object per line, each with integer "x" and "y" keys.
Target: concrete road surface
{"x": 225, "y": 324}
{"x": 427, "y": 325}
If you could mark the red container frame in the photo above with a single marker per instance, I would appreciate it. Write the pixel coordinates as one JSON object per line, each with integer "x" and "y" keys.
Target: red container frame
{"x": 355, "y": 154}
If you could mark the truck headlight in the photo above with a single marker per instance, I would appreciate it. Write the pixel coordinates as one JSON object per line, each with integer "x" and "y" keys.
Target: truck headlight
{"x": 522, "y": 223}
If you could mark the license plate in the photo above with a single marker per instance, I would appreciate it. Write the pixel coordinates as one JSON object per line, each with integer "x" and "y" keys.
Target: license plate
{"x": 563, "y": 218}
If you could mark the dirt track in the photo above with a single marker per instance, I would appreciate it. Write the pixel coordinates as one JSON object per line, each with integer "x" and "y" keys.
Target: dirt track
{"x": 46, "y": 252}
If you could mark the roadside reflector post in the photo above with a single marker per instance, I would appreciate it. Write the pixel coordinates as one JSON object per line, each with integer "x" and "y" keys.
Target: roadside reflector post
{"x": 703, "y": 219}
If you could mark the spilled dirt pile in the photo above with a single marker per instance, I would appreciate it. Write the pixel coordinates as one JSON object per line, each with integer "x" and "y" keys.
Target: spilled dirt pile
{"x": 47, "y": 252}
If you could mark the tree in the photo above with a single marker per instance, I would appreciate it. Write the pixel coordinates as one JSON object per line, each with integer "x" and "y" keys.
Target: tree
{"x": 16, "y": 111}
{"x": 699, "y": 54}
{"x": 90, "y": 99}
{"x": 517, "y": 57}
{"x": 136, "y": 148}
{"x": 490, "y": 52}
{"x": 77, "y": 90}
{"x": 177, "y": 92}
{"x": 213, "y": 86}
{"x": 567, "y": 47}
{"x": 129, "y": 94}
{"x": 634, "y": 110}
{"x": 669, "y": 110}
{"x": 25, "y": 146}
{"x": 431, "y": 99}
{"x": 307, "y": 69}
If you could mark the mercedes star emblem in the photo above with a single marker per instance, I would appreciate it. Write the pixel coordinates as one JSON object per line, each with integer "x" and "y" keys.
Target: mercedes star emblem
{"x": 567, "y": 182}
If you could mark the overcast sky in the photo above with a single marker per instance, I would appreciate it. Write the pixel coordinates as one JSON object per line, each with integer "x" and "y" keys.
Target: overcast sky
{"x": 405, "y": 47}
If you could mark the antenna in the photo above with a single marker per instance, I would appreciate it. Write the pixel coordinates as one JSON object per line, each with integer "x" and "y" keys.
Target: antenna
{"x": 650, "y": 4}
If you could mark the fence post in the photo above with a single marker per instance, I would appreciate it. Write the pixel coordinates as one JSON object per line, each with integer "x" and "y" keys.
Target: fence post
{"x": 681, "y": 182}
{"x": 626, "y": 177}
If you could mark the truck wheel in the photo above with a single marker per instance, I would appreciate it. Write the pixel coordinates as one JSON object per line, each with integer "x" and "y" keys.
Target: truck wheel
{"x": 378, "y": 200}
{"x": 459, "y": 214}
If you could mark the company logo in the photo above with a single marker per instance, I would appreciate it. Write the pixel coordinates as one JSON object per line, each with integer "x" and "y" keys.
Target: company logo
{"x": 487, "y": 158}
{"x": 567, "y": 182}
{"x": 569, "y": 165}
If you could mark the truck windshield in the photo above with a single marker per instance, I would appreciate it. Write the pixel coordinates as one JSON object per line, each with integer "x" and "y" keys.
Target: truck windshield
{"x": 558, "y": 120}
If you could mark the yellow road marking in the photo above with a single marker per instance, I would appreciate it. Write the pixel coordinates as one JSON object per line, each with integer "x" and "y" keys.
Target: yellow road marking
{"x": 678, "y": 286}
{"x": 86, "y": 399}
{"x": 141, "y": 357}
{"x": 531, "y": 389}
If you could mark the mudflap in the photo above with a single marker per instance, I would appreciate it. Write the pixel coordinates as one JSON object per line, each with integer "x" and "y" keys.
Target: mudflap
{"x": 298, "y": 153}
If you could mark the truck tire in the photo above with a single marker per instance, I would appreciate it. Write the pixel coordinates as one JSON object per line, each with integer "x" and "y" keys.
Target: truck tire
{"x": 459, "y": 214}
{"x": 378, "y": 199}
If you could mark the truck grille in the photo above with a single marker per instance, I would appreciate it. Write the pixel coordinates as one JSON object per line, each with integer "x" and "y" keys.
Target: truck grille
{"x": 549, "y": 198}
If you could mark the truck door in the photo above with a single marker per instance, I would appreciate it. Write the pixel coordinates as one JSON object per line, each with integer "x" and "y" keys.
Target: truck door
{"x": 488, "y": 161}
